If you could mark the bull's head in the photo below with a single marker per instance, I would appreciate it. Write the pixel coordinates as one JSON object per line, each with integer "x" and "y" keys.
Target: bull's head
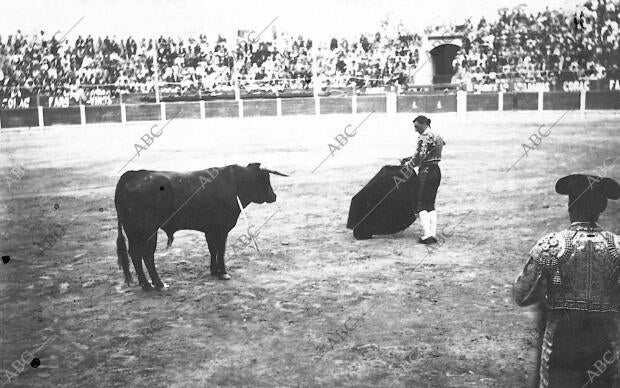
{"x": 256, "y": 185}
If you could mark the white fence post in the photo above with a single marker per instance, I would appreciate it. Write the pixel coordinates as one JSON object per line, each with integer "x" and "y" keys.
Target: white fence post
{"x": 162, "y": 111}
{"x": 202, "y": 109}
{"x": 390, "y": 102}
{"x": 240, "y": 108}
{"x": 354, "y": 102}
{"x": 317, "y": 105}
{"x": 82, "y": 114}
{"x": 461, "y": 102}
{"x": 237, "y": 92}
{"x": 500, "y": 101}
{"x": 540, "y": 100}
{"x": 123, "y": 113}
{"x": 582, "y": 102}
{"x": 41, "y": 120}
{"x": 278, "y": 107}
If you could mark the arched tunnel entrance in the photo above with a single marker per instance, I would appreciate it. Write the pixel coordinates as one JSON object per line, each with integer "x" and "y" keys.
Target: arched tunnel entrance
{"x": 441, "y": 59}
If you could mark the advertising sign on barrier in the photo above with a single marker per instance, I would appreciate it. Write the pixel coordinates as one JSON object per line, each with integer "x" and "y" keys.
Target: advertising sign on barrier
{"x": 423, "y": 103}
{"x": 15, "y": 98}
{"x": 602, "y": 85}
{"x": 554, "y": 85}
{"x": 410, "y": 103}
{"x": 513, "y": 85}
{"x": 16, "y": 102}
{"x": 576, "y": 86}
{"x": 23, "y": 98}
{"x": 614, "y": 84}
{"x": 426, "y": 103}
{"x": 99, "y": 97}
{"x": 57, "y": 101}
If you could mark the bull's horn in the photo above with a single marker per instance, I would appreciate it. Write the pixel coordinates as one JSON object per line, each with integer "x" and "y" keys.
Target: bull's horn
{"x": 274, "y": 172}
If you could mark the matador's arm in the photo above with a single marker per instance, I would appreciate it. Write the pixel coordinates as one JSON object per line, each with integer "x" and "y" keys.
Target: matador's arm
{"x": 530, "y": 286}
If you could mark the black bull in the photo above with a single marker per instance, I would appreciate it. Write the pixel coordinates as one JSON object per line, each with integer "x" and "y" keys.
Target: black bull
{"x": 386, "y": 205}
{"x": 204, "y": 200}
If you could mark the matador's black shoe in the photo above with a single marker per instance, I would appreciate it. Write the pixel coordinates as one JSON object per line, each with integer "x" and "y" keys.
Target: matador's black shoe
{"x": 428, "y": 240}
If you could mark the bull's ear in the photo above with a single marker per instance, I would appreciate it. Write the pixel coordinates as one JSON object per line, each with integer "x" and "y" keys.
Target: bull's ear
{"x": 274, "y": 172}
{"x": 252, "y": 165}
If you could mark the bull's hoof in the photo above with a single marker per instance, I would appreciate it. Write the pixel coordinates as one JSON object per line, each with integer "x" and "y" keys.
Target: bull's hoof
{"x": 161, "y": 286}
{"x": 224, "y": 276}
{"x": 146, "y": 287}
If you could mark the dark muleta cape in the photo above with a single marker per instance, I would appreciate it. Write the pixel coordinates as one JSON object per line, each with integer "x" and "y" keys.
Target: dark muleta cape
{"x": 386, "y": 205}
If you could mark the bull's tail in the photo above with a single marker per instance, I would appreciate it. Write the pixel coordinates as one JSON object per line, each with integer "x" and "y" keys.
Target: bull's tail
{"x": 121, "y": 252}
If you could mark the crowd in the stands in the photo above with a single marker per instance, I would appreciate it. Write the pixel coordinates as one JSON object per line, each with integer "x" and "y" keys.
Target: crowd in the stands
{"x": 582, "y": 44}
{"x": 49, "y": 64}
{"x": 532, "y": 47}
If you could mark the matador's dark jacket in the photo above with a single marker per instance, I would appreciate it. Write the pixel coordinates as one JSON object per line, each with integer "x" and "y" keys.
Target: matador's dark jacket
{"x": 576, "y": 274}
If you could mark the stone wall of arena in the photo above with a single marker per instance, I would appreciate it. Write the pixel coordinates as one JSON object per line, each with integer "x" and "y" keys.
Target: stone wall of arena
{"x": 388, "y": 103}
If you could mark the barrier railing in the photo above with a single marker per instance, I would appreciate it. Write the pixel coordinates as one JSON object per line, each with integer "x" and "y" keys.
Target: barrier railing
{"x": 390, "y": 102}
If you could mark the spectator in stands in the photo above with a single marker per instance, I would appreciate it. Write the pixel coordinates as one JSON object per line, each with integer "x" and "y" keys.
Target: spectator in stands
{"x": 584, "y": 44}
{"x": 518, "y": 45}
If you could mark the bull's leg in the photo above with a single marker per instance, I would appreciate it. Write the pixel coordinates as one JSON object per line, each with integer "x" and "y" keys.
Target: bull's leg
{"x": 149, "y": 260}
{"x": 135, "y": 251}
{"x": 211, "y": 242}
{"x": 221, "y": 244}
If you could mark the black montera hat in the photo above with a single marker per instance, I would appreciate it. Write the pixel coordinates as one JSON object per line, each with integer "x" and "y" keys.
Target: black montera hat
{"x": 587, "y": 193}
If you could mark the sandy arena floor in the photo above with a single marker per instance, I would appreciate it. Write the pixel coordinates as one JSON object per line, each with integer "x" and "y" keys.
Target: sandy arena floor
{"x": 396, "y": 315}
